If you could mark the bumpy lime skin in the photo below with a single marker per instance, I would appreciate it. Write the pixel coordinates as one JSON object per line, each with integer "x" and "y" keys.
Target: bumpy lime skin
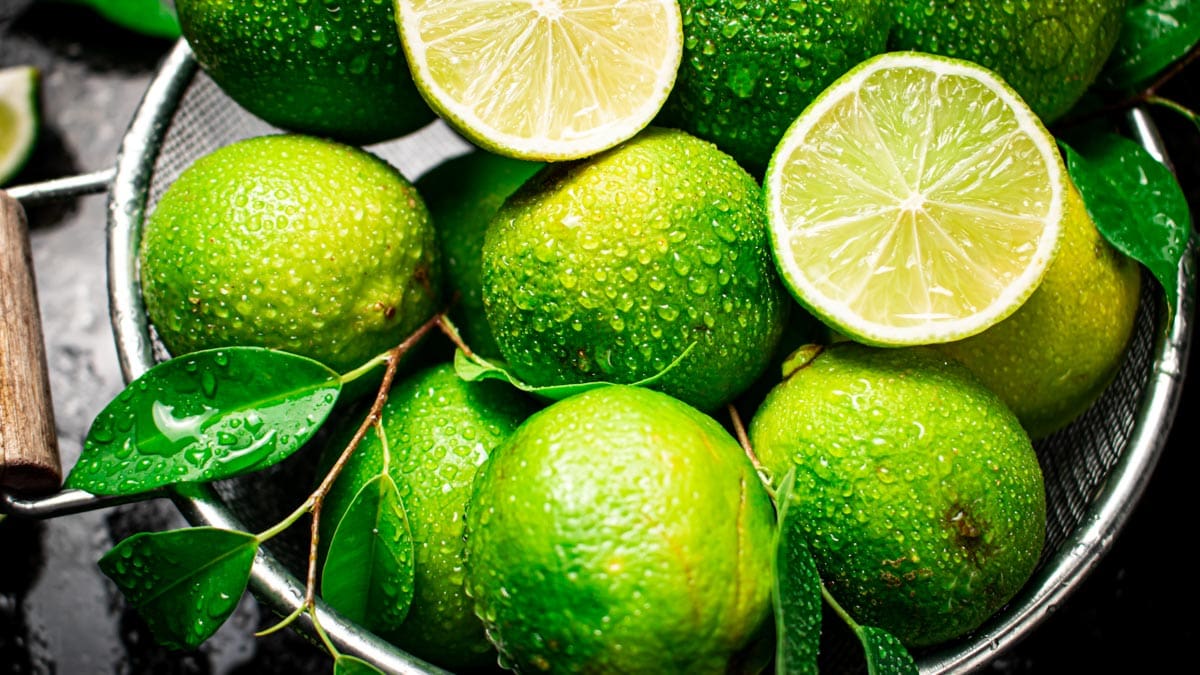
{"x": 327, "y": 69}
{"x": 608, "y": 269}
{"x": 294, "y": 243}
{"x": 1049, "y": 51}
{"x": 440, "y": 429}
{"x": 620, "y": 531}
{"x": 463, "y": 194}
{"x": 750, "y": 67}
{"x": 922, "y": 495}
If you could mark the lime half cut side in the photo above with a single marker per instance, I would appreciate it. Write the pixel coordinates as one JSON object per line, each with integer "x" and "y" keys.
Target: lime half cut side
{"x": 917, "y": 200}
{"x": 18, "y": 118}
{"x": 543, "y": 79}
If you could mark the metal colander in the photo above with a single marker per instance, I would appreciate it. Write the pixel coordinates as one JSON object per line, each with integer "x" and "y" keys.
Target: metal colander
{"x": 1095, "y": 470}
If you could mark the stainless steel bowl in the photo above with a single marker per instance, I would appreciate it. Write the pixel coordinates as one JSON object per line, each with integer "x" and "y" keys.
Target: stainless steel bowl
{"x": 1095, "y": 470}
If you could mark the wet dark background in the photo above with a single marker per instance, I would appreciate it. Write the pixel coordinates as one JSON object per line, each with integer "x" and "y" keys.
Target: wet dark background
{"x": 58, "y": 614}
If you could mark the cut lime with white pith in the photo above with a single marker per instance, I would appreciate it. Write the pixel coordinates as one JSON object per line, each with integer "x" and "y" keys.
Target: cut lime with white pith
{"x": 917, "y": 200}
{"x": 18, "y": 118}
{"x": 543, "y": 79}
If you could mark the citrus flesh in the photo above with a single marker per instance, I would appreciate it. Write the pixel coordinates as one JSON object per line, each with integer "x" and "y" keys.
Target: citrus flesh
{"x": 917, "y": 200}
{"x": 543, "y": 79}
{"x": 290, "y": 242}
{"x": 1055, "y": 355}
{"x": 440, "y": 428}
{"x": 620, "y": 531}
{"x": 333, "y": 70}
{"x": 920, "y": 494}
{"x": 611, "y": 268}
{"x": 19, "y": 118}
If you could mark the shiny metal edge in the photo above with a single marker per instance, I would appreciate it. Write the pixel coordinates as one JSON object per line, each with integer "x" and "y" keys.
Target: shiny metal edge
{"x": 127, "y": 205}
{"x": 62, "y": 188}
{"x": 1093, "y": 537}
{"x": 66, "y": 502}
{"x": 270, "y": 581}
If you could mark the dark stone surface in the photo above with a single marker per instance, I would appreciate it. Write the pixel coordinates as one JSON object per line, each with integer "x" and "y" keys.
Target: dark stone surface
{"x": 58, "y": 614}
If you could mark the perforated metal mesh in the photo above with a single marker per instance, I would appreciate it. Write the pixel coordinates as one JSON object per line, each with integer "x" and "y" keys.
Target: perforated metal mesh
{"x": 1078, "y": 462}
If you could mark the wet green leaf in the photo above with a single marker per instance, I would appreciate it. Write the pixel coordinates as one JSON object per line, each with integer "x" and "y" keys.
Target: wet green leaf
{"x": 352, "y": 665}
{"x": 885, "y": 654}
{"x": 184, "y": 583}
{"x": 1154, "y": 35}
{"x": 475, "y": 367}
{"x": 155, "y": 18}
{"x": 1136, "y": 202}
{"x": 368, "y": 572}
{"x": 796, "y": 595}
{"x": 204, "y": 416}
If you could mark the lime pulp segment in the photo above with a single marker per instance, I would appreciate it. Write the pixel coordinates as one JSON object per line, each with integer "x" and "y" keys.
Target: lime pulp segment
{"x": 544, "y": 79}
{"x": 917, "y": 200}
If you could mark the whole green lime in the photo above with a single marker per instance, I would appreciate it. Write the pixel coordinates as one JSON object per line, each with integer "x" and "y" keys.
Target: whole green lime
{"x": 289, "y": 242}
{"x": 332, "y": 69}
{"x": 751, "y": 66}
{"x": 620, "y": 531}
{"x": 463, "y": 194}
{"x": 1049, "y": 51}
{"x": 1055, "y": 355}
{"x": 611, "y": 268}
{"x": 439, "y": 428}
{"x": 919, "y": 491}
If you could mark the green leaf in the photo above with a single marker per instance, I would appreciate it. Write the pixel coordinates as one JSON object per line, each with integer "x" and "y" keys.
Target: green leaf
{"x": 796, "y": 595}
{"x": 155, "y": 18}
{"x": 184, "y": 583}
{"x": 1154, "y": 35}
{"x": 885, "y": 654}
{"x": 475, "y": 367}
{"x": 368, "y": 572}
{"x": 1135, "y": 201}
{"x": 204, "y": 416}
{"x": 352, "y": 665}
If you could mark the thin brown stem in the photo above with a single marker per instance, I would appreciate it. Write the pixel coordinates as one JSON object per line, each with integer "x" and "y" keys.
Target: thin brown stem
{"x": 740, "y": 430}
{"x": 317, "y": 498}
{"x": 1172, "y": 71}
{"x": 1148, "y": 94}
{"x": 447, "y": 327}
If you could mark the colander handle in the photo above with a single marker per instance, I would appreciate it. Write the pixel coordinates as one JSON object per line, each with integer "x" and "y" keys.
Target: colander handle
{"x": 29, "y": 462}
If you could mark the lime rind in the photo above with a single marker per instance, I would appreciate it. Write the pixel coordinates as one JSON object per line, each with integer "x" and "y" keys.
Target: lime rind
{"x": 19, "y": 118}
{"x": 547, "y": 80}
{"x": 917, "y": 200}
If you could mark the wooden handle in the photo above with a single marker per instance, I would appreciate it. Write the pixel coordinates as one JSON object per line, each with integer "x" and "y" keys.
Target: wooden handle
{"x": 29, "y": 461}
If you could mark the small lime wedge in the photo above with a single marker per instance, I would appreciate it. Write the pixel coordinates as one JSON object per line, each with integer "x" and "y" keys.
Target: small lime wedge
{"x": 917, "y": 200}
{"x": 19, "y": 118}
{"x": 543, "y": 79}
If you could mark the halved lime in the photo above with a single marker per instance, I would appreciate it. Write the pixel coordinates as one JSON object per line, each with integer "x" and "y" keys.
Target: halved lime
{"x": 543, "y": 79}
{"x": 917, "y": 200}
{"x": 19, "y": 119}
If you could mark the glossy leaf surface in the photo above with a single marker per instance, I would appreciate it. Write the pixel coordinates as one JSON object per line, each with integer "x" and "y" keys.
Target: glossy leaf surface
{"x": 184, "y": 583}
{"x": 1154, "y": 35}
{"x": 797, "y": 592}
{"x": 368, "y": 572}
{"x": 885, "y": 654}
{"x": 1135, "y": 201}
{"x": 205, "y": 416}
{"x": 475, "y": 367}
